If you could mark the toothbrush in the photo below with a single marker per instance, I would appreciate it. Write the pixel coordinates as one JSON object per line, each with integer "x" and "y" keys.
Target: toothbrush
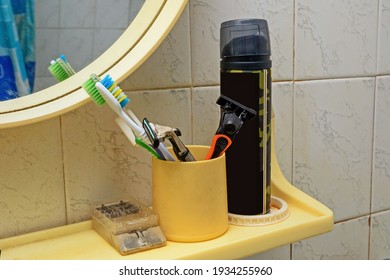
{"x": 114, "y": 104}
{"x": 60, "y": 69}
{"x": 104, "y": 91}
{"x": 136, "y": 141}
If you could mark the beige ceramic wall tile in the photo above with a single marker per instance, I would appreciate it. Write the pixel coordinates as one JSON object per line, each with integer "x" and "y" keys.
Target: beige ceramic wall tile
{"x": 169, "y": 65}
{"x": 335, "y": 38}
{"x": 78, "y": 46}
{"x": 280, "y": 253}
{"x": 206, "y": 18}
{"x": 31, "y": 178}
{"x": 101, "y": 165}
{"x": 347, "y": 241}
{"x": 78, "y": 14}
{"x": 333, "y": 129}
{"x": 47, "y": 13}
{"x": 380, "y": 236}
{"x": 282, "y": 103}
{"x": 112, "y": 13}
{"x": 381, "y": 158}
{"x": 104, "y": 38}
{"x": 383, "y": 64}
{"x": 47, "y": 44}
{"x": 41, "y": 83}
{"x": 206, "y": 114}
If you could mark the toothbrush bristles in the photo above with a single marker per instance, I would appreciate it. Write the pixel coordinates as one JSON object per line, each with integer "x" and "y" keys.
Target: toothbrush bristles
{"x": 60, "y": 69}
{"x": 115, "y": 90}
{"x": 90, "y": 88}
{"x": 110, "y": 85}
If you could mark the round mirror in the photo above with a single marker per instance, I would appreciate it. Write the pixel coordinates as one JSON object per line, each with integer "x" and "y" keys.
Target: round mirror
{"x": 145, "y": 33}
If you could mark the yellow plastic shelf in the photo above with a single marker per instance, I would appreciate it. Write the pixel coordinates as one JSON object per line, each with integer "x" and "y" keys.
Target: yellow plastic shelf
{"x": 79, "y": 241}
{"x": 307, "y": 218}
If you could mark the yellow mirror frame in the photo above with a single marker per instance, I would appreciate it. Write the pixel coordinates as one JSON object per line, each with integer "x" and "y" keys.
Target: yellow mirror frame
{"x": 152, "y": 24}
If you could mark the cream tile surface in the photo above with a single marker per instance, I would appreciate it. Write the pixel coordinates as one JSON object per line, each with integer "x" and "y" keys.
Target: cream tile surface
{"x": 347, "y": 241}
{"x": 280, "y": 253}
{"x": 101, "y": 165}
{"x": 41, "y": 83}
{"x": 205, "y": 114}
{"x": 206, "y": 18}
{"x": 112, "y": 13}
{"x": 380, "y": 236}
{"x": 103, "y": 39}
{"x": 335, "y": 38}
{"x": 282, "y": 103}
{"x": 169, "y": 65}
{"x": 47, "y": 13}
{"x": 78, "y": 47}
{"x": 31, "y": 178}
{"x": 78, "y": 14}
{"x": 47, "y": 44}
{"x": 381, "y": 164}
{"x": 333, "y": 128}
{"x": 383, "y": 66}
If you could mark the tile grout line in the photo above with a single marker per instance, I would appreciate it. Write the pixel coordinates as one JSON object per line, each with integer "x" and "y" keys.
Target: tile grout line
{"x": 63, "y": 169}
{"x": 374, "y": 127}
{"x": 191, "y": 85}
{"x": 293, "y": 107}
{"x": 372, "y": 164}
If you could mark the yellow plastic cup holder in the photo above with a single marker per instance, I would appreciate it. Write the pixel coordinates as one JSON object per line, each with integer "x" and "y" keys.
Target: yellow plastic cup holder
{"x": 278, "y": 212}
{"x": 191, "y": 197}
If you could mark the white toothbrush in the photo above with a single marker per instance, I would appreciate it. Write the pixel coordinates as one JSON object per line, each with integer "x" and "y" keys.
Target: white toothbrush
{"x": 138, "y": 130}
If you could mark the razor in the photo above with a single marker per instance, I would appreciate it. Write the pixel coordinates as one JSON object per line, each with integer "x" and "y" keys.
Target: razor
{"x": 233, "y": 116}
{"x": 157, "y": 133}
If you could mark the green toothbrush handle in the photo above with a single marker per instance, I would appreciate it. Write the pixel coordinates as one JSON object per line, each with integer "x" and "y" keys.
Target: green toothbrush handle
{"x": 141, "y": 143}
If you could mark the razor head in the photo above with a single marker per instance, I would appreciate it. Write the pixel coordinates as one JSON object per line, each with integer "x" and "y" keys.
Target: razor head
{"x": 233, "y": 116}
{"x": 229, "y": 105}
{"x": 162, "y": 132}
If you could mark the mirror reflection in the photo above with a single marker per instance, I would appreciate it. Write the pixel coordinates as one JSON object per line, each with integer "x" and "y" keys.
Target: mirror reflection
{"x": 33, "y": 33}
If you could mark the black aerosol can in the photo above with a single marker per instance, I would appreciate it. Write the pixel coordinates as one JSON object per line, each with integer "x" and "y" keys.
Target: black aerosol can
{"x": 246, "y": 78}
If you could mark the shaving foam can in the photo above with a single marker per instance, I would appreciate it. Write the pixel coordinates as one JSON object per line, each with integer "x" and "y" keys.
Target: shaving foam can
{"x": 246, "y": 77}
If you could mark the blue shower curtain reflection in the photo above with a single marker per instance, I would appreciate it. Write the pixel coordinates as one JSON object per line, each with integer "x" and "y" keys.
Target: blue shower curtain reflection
{"x": 17, "y": 48}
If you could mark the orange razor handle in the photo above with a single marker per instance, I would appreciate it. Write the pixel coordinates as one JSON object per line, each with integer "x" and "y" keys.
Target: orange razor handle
{"x": 219, "y": 145}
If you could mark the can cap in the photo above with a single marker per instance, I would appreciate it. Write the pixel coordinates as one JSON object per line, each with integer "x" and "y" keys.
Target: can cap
{"x": 243, "y": 37}
{"x": 245, "y": 40}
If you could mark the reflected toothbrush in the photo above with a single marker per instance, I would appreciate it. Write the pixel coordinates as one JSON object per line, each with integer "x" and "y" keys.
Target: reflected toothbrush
{"x": 60, "y": 68}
